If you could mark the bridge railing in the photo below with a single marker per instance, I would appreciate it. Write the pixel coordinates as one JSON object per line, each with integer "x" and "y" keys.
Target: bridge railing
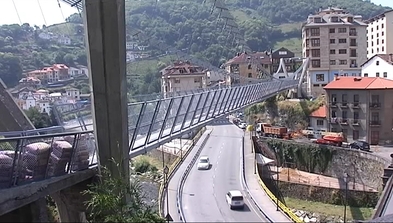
{"x": 27, "y": 159}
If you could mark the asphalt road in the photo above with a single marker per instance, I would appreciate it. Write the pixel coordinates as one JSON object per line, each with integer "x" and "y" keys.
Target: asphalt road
{"x": 204, "y": 190}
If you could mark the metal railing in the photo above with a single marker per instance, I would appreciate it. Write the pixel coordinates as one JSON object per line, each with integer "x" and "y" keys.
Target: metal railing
{"x": 26, "y": 159}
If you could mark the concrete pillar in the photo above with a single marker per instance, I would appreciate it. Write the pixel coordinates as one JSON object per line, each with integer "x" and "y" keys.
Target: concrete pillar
{"x": 105, "y": 34}
{"x": 36, "y": 211}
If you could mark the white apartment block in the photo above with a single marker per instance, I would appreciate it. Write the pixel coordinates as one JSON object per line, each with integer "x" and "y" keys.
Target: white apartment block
{"x": 379, "y": 34}
{"x": 379, "y": 65}
{"x": 335, "y": 41}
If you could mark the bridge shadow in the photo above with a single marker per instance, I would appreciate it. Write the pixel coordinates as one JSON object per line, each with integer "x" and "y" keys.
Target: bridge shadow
{"x": 246, "y": 208}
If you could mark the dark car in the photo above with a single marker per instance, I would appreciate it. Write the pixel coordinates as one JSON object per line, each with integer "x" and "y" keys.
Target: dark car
{"x": 364, "y": 146}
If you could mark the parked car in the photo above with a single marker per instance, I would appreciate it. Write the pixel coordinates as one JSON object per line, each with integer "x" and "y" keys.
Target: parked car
{"x": 362, "y": 145}
{"x": 243, "y": 125}
{"x": 235, "y": 199}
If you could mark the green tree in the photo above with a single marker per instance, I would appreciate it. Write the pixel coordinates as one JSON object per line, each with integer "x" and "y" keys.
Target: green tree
{"x": 69, "y": 59}
{"x": 39, "y": 120}
{"x": 10, "y": 69}
{"x": 75, "y": 18}
{"x": 108, "y": 204}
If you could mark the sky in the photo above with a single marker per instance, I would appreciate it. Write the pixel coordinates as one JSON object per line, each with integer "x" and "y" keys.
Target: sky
{"x": 29, "y": 11}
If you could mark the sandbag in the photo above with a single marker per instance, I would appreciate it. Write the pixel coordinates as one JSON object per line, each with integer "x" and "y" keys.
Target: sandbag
{"x": 38, "y": 148}
{"x": 62, "y": 149}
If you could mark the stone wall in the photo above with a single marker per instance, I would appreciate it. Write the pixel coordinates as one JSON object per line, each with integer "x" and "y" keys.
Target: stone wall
{"x": 367, "y": 168}
{"x": 328, "y": 195}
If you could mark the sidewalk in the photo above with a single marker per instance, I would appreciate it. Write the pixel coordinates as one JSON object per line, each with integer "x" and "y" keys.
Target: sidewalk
{"x": 175, "y": 180}
{"x": 260, "y": 197}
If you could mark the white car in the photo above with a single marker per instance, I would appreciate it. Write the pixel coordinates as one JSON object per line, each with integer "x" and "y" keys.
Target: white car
{"x": 242, "y": 125}
{"x": 204, "y": 163}
{"x": 235, "y": 199}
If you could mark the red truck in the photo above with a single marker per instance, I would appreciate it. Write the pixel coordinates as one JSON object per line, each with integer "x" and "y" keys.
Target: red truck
{"x": 268, "y": 130}
{"x": 332, "y": 140}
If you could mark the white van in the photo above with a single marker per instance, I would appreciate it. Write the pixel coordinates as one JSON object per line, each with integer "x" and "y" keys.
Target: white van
{"x": 235, "y": 199}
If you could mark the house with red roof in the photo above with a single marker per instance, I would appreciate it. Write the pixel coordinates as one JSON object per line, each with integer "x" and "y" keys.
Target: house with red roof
{"x": 318, "y": 121}
{"x": 361, "y": 108}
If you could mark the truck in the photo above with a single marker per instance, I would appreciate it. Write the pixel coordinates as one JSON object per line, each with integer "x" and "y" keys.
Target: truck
{"x": 331, "y": 138}
{"x": 267, "y": 130}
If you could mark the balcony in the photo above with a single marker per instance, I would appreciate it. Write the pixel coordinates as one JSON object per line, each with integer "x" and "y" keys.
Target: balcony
{"x": 344, "y": 121}
{"x": 353, "y": 65}
{"x": 344, "y": 104}
{"x": 334, "y": 120}
{"x": 356, "y": 104}
{"x": 355, "y": 122}
{"x": 333, "y": 104}
{"x": 353, "y": 44}
{"x": 353, "y": 55}
{"x": 352, "y": 33}
{"x": 375, "y": 105}
{"x": 375, "y": 123}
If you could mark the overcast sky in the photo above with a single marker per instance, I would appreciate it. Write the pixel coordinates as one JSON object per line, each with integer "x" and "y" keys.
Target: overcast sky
{"x": 29, "y": 11}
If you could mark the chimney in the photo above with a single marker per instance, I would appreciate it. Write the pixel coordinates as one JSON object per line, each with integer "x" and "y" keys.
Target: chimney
{"x": 390, "y": 57}
{"x": 336, "y": 77}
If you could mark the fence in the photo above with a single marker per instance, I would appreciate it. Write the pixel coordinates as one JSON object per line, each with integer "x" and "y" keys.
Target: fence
{"x": 27, "y": 159}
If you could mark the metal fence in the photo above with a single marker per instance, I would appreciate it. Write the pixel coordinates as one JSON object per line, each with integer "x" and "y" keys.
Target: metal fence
{"x": 26, "y": 159}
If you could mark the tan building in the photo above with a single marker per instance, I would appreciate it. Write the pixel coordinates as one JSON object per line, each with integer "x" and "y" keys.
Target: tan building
{"x": 335, "y": 41}
{"x": 55, "y": 73}
{"x": 361, "y": 108}
{"x": 249, "y": 65}
{"x": 379, "y": 34}
{"x": 182, "y": 76}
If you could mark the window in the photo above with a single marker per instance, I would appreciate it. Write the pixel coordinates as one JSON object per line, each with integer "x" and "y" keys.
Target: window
{"x": 317, "y": 19}
{"x": 375, "y": 98}
{"x": 314, "y": 31}
{"x": 315, "y": 53}
{"x": 316, "y": 63}
{"x": 377, "y": 74}
{"x": 250, "y": 75}
{"x": 249, "y": 67}
{"x": 342, "y": 51}
{"x": 319, "y": 122}
{"x": 356, "y": 98}
{"x": 282, "y": 52}
{"x": 320, "y": 77}
{"x": 353, "y": 42}
{"x": 332, "y": 51}
{"x": 343, "y": 62}
{"x": 334, "y": 114}
{"x": 344, "y": 98}
{"x": 383, "y": 48}
{"x": 342, "y": 40}
{"x": 355, "y": 115}
{"x": 332, "y": 30}
{"x": 375, "y": 117}
{"x": 344, "y": 114}
{"x": 377, "y": 63}
{"x": 366, "y": 74}
{"x": 382, "y": 25}
{"x": 385, "y": 74}
{"x": 334, "y": 19}
{"x": 383, "y": 41}
{"x": 332, "y": 62}
{"x": 382, "y": 34}
{"x": 332, "y": 41}
{"x": 315, "y": 42}
{"x": 353, "y": 53}
{"x": 355, "y": 135}
{"x": 342, "y": 30}
{"x": 350, "y": 19}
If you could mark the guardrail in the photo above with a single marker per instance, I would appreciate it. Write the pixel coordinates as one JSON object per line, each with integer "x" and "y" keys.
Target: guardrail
{"x": 173, "y": 168}
{"x": 246, "y": 186}
{"x": 184, "y": 177}
{"x": 27, "y": 159}
{"x": 382, "y": 202}
{"x": 282, "y": 206}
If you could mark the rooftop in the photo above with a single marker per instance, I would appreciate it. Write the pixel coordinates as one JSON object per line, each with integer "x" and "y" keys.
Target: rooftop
{"x": 386, "y": 57}
{"x": 319, "y": 113}
{"x": 262, "y": 57}
{"x": 182, "y": 68}
{"x": 359, "y": 83}
{"x": 334, "y": 16}
{"x": 378, "y": 16}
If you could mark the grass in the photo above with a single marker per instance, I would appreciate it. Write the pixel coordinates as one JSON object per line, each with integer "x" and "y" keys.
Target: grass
{"x": 357, "y": 213}
{"x": 288, "y": 27}
{"x": 153, "y": 161}
{"x": 292, "y": 44}
{"x": 241, "y": 16}
{"x": 142, "y": 66}
{"x": 67, "y": 29}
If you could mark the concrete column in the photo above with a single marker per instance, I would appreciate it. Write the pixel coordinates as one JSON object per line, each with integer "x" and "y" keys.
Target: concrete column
{"x": 105, "y": 34}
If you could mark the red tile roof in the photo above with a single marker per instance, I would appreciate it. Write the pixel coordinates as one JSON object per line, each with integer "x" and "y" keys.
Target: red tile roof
{"x": 360, "y": 83}
{"x": 250, "y": 57}
{"x": 319, "y": 113}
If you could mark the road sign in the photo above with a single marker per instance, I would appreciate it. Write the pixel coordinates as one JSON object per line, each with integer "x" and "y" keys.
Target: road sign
{"x": 168, "y": 217}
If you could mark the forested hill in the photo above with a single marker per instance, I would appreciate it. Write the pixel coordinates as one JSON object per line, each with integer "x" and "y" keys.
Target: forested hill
{"x": 189, "y": 24}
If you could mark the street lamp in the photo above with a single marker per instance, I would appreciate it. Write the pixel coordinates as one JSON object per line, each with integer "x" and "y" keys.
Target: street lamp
{"x": 346, "y": 196}
{"x": 166, "y": 171}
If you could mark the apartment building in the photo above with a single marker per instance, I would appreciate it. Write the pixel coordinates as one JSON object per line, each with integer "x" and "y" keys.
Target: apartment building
{"x": 379, "y": 65}
{"x": 249, "y": 65}
{"x": 335, "y": 41}
{"x": 55, "y": 73}
{"x": 379, "y": 34}
{"x": 361, "y": 108}
{"x": 182, "y": 76}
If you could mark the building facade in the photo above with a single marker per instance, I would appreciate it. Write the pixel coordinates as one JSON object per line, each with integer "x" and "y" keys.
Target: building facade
{"x": 335, "y": 41}
{"x": 249, "y": 65}
{"x": 318, "y": 121}
{"x": 55, "y": 73}
{"x": 379, "y": 65}
{"x": 283, "y": 53}
{"x": 361, "y": 108}
{"x": 379, "y": 34}
{"x": 182, "y": 76}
